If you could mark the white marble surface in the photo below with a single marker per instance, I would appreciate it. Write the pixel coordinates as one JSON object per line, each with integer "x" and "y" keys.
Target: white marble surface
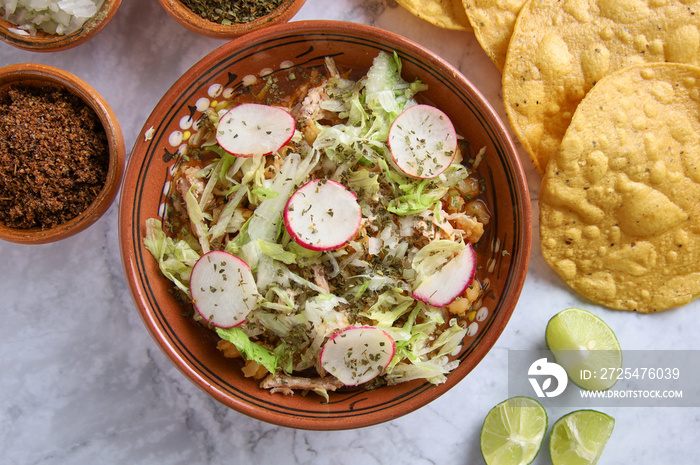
{"x": 81, "y": 381}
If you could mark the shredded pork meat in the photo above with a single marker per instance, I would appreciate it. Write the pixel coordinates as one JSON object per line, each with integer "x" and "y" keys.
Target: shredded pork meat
{"x": 284, "y": 384}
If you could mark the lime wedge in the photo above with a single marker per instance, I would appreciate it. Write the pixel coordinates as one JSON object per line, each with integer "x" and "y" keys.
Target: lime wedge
{"x": 586, "y": 347}
{"x": 513, "y": 431}
{"x": 580, "y": 437}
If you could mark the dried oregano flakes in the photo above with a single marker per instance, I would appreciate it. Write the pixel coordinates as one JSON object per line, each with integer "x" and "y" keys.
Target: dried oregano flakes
{"x": 227, "y": 12}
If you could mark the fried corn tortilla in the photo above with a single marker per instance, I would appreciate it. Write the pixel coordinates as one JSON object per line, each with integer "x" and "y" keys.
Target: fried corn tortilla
{"x": 447, "y": 14}
{"x": 560, "y": 49}
{"x": 620, "y": 201}
{"x": 493, "y": 22}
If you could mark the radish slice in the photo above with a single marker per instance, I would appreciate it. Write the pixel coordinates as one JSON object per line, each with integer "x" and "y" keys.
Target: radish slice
{"x": 251, "y": 129}
{"x": 443, "y": 287}
{"x": 357, "y": 354}
{"x": 322, "y": 215}
{"x": 423, "y": 141}
{"x": 223, "y": 289}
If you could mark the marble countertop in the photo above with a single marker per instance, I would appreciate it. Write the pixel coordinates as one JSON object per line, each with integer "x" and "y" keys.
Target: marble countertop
{"x": 81, "y": 380}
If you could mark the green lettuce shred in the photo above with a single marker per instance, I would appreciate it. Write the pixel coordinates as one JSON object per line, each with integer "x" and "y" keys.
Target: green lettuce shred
{"x": 296, "y": 309}
{"x": 431, "y": 258}
{"x": 277, "y": 252}
{"x": 390, "y": 306}
{"x": 433, "y": 370}
{"x": 197, "y": 217}
{"x": 175, "y": 258}
{"x": 365, "y": 183}
{"x": 249, "y": 349}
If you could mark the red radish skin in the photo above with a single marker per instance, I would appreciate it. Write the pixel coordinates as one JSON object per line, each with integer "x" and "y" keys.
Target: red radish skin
{"x": 422, "y": 141}
{"x": 251, "y": 129}
{"x": 357, "y": 354}
{"x": 443, "y": 287}
{"x": 223, "y": 289}
{"x": 322, "y": 215}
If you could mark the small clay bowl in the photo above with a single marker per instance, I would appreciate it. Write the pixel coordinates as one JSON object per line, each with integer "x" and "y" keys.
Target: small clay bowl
{"x": 192, "y": 21}
{"x": 29, "y": 74}
{"x": 503, "y": 251}
{"x": 43, "y": 42}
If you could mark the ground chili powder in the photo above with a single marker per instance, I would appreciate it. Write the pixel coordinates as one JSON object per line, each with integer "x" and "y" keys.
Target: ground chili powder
{"x": 54, "y": 156}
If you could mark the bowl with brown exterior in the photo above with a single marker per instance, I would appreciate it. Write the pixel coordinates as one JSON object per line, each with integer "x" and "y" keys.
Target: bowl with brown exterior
{"x": 273, "y": 55}
{"x": 46, "y": 42}
{"x": 84, "y": 175}
{"x": 238, "y": 22}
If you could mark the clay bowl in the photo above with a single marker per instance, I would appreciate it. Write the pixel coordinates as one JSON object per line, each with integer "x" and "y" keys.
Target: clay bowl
{"x": 192, "y": 21}
{"x": 43, "y": 42}
{"x": 190, "y": 346}
{"x": 28, "y": 74}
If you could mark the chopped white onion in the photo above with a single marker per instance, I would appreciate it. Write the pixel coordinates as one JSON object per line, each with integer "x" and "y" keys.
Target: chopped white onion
{"x": 51, "y": 16}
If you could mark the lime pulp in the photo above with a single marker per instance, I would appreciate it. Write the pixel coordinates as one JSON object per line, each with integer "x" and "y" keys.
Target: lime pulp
{"x": 586, "y": 347}
{"x": 580, "y": 437}
{"x": 513, "y": 431}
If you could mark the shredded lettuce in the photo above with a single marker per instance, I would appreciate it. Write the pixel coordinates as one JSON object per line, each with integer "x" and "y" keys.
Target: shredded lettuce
{"x": 410, "y": 204}
{"x": 196, "y": 215}
{"x": 266, "y": 223}
{"x": 390, "y": 306}
{"x": 387, "y": 92}
{"x": 434, "y": 256}
{"x": 265, "y": 193}
{"x": 276, "y": 251}
{"x": 238, "y": 203}
{"x": 283, "y": 295}
{"x": 370, "y": 107}
{"x": 450, "y": 339}
{"x": 418, "y": 195}
{"x": 323, "y": 393}
{"x": 304, "y": 256}
{"x": 324, "y": 314}
{"x": 175, "y": 258}
{"x": 228, "y": 222}
{"x": 280, "y": 324}
{"x": 215, "y": 171}
{"x": 285, "y": 356}
{"x": 433, "y": 370}
{"x": 249, "y": 349}
{"x": 365, "y": 183}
